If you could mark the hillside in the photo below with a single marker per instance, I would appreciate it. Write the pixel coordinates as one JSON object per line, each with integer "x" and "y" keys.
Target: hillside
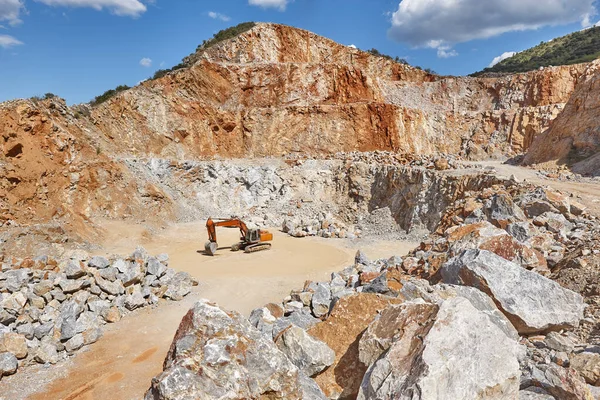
{"x": 575, "y": 48}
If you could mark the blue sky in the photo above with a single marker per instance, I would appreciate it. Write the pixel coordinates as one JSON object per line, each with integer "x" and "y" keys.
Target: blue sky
{"x": 77, "y": 49}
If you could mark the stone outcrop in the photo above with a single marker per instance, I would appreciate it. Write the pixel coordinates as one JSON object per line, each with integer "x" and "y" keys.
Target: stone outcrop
{"x": 217, "y": 354}
{"x": 533, "y": 303}
{"x": 574, "y": 137}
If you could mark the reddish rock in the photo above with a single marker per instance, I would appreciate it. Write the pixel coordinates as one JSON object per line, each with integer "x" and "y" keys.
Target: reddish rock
{"x": 342, "y": 332}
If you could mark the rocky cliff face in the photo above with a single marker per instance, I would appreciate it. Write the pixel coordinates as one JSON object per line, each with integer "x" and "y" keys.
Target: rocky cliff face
{"x": 275, "y": 90}
{"x": 574, "y": 137}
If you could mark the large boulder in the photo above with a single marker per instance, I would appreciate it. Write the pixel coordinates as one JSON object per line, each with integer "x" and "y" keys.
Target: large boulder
{"x": 307, "y": 353}
{"x": 341, "y": 331}
{"x": 485, "y": 236}
{"x": 218, "y": 355}
{"x": 533, "y": 303}
{"x": 451, "y": 350}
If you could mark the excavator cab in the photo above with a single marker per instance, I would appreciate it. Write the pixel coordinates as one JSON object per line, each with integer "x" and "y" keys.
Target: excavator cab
{"x": 251, "y": 240}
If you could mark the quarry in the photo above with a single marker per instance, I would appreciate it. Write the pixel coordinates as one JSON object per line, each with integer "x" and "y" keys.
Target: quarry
{"x": 433, "y": 237}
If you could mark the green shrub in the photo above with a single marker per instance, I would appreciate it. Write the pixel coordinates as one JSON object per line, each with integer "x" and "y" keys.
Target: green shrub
{"x": 108, "y": 94}
{"x": 226, "y": 34}
{"x": 575, "y": 48}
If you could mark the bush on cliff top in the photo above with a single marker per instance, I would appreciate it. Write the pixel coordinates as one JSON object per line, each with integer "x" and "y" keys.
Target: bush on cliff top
{"x": 108, "y": 94}
{"x": 226, "y": 34}
{"x": 575, "y": 48}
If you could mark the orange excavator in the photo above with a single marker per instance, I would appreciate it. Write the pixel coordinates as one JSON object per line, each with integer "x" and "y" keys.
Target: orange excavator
{"x": 251, "y": 240}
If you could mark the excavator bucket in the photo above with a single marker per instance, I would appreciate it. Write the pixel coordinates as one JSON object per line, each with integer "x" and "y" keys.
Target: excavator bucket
{"x": 210, "y": 248}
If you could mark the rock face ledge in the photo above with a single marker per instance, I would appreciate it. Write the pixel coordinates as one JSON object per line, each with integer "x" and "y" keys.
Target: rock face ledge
{"x": 218, "y": 355}
{"x": 533, "y": 303}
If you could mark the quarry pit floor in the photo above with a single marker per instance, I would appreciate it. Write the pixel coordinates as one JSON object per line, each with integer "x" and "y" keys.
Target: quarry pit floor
{"x": 123, "y": 362}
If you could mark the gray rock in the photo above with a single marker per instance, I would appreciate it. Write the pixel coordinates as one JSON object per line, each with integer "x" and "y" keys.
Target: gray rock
{"x": 73, "y": 270}
{"x": 26, "y": 330}
{"x": 534, "y": 393}
{"x": 8, "y": 364}
{"x": 14, "y": 302}
{"x": 43, "y": 330}
{"x": 109, "y": 273}
{"x": 69, "y": 286}
{"x": 530, "y": 301}
{"x": 558, "y": 342}
{"x": 74, "y": 344}
{"x": 179, "y": 286}
{"x": 43, "y": 287}
{"x": 459, "y": 353}
{"x": 98, "y": 262}
{"x": 361, "y": 258}
{"x": 561, "y": 383}
{"x": 16, "y": 279}
{"x": 302, "y": 319}
{"x": 288, "y": 226}
{"x": 377, "y": 285}
{"x": 46, "y": 353}
{"x": 131, "y": 275}
{"x": 115, "y": 288}
{"x": 263, "y": 320}
{"x": 307, "y": 353}
{"x": 321, "y": 300}
{"x": 135, "y": 299}
{"x": 539, "y": 207}
{"x": 522, "y": 231}
{"x": 503, "y": 211}
{"x": 206, "y": 361}
{"x": 67, "y": 320}
{"x": 155, "y": 267}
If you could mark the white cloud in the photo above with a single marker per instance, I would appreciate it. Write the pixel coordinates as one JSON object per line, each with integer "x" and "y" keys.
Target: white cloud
{"x": 352, "y": 46}
{"x": 280, "y": 4}
{"x": 446, "y": 52}
{"x": 130, "y": 8}
{"x": 501, "y": 58}
{"x": 146, "y": 62}
{"x": 7, "y": 41}
{"x": 219, "y": 16}
{"x": 10, "y": 10}
{"x": 440, "y": 24}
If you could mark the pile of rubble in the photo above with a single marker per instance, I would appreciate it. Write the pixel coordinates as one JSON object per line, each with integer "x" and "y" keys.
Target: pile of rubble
{"x": 438, "y": 162}
{"x": 321, "y": 226}
{"x": 51, "y": 309}
{"x": 478, "y": 292}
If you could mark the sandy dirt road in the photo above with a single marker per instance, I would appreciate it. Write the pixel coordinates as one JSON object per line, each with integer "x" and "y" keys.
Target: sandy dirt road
{"x": 122, "y": 363}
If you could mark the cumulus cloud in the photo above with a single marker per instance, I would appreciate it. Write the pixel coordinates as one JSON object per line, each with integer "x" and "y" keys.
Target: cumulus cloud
{"x": 501, "y": 58}
{"x": 129, "y": 8}
{"x": 10, "y": 10}
{"x": 446, "y": 52}
{"x": 219, "y": 16}
{"x": 146, "y": 62}
{"x": 280, "y": 4}
{"x": 7, "y": 41}
{"x": 440, "y": 24}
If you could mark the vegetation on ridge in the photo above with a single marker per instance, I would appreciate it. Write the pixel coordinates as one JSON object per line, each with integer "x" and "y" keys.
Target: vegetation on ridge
{"x": 108, "y": 94}
{"x": 226, "y": 34}
{"x": 575, "y": 48}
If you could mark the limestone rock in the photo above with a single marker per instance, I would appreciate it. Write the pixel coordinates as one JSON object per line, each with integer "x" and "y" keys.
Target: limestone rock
{"x": 341, "y": 331}
{"x": 588, "y": 366}
{"x": 98, "y": 262}
{"x": 321, "y": 300}
{"x": 8, "y": 364}
{"x": 484, "y": 360}
{"x": 311, "y": 356}
{"x": 14, "y": 343}
{"x": 530, "y": 301}
{"x": 217, "y": 354}
{"x": 46, "y": 353}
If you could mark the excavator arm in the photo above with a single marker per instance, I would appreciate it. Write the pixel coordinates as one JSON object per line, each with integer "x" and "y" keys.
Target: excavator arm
{"x": 211, "y": 227}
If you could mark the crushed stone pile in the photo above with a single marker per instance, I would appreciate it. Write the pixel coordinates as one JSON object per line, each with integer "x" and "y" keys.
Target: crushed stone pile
{"x": 51, "y": 309}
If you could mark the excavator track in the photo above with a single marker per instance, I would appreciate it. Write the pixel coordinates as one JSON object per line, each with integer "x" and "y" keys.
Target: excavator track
{"x": 253, "y": 248}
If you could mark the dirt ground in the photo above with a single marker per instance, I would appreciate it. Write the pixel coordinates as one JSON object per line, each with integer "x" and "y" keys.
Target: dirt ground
{"x": 122, "y": 363}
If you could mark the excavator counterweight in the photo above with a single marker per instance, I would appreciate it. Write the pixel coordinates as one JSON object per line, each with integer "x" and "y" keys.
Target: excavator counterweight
{"x": 251, "y": 240}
